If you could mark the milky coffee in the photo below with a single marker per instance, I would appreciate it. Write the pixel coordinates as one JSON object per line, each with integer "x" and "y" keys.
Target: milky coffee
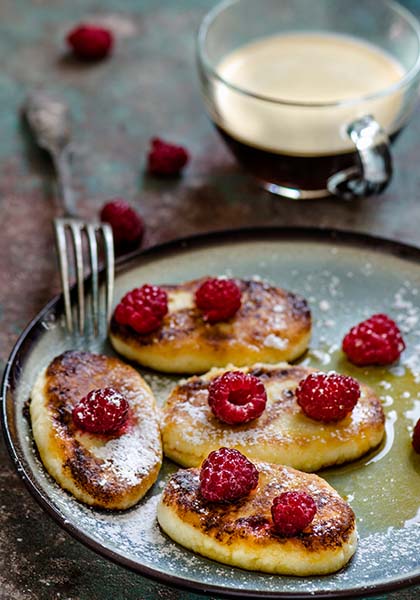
{"x": 282, "y": 142}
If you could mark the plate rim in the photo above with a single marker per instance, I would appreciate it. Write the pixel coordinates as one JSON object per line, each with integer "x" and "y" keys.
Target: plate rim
{"x": 125, "y": 263}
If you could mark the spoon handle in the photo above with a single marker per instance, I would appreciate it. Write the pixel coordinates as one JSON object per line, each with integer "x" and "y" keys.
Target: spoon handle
{"x": 66, "y": 194}
{"x": 49, "y": 119}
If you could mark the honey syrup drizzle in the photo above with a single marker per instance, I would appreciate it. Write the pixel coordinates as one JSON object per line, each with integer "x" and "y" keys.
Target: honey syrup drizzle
{"x": 383, "y": 487}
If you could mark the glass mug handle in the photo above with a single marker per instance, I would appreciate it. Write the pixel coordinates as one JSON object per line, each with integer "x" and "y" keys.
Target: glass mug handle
{"x": 375, "y": 170}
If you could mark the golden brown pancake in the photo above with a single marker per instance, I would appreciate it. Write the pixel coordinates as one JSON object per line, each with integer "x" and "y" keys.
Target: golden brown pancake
{"x": 242, "y": 534}
{"x": 103, "y": 470}
{"x": 272, "y": 325}
{"x": 282, "y": 434}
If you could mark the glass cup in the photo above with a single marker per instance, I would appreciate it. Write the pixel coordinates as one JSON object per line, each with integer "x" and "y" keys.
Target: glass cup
{"x": 309, "y": 94}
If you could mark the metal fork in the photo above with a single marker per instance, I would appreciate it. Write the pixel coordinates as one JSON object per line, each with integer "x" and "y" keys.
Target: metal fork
{"x": 49, "y": 120}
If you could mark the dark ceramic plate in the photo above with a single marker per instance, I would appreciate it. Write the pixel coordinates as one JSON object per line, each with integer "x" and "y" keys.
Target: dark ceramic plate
{"x": 346, "y": 277}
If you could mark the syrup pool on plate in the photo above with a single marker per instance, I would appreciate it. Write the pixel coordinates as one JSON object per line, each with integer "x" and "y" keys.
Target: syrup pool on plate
{"x": 383, "y": 487}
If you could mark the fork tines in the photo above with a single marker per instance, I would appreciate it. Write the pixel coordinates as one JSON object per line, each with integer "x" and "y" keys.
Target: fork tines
{"x": 79, "y": 246}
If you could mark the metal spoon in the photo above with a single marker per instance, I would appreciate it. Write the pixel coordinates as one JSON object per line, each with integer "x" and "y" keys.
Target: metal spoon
{"x": 49, "y": 120}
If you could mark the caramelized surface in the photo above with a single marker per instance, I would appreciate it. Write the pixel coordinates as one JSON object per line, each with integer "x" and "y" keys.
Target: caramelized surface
{"x": 282, "y": 434}
{"x": 107, "y": 470}
{"x": 271, "y": 325}
{"x": 245, "y": 527}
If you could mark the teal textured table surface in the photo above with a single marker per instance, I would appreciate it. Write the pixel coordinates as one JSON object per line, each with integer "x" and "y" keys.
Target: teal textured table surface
{"x": 147, "y": 88}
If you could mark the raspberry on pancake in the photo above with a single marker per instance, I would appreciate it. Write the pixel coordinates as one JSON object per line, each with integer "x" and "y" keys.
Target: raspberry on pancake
{"x": 242, "y": 533}
{"x": 107, "y": 470}
{"x": 270, "y": 325}
{"x": 282, "y": 434}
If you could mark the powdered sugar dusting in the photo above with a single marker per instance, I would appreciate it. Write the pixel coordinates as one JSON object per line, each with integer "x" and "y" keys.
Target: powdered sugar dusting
{"x": 323, "y": 357}
{"x": 131, "y": 456}
{"x": 278, "y": 308}
{"x": 324, "y": 305}
{"x": 357, "y": 284}
{"x": 406, "y": 306}
{"x": 274, "y": 341}
{"x": 128, "y": 457}
{"x": 408, "y": 313}
{"x": 136, "y": 535}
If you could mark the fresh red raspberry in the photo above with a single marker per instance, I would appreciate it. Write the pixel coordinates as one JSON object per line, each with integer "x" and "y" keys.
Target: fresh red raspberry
{"x": 127, "y": 225}
{"x": 143, "y": 308}
{"x": 416, "y": 437}
{"x": 90, "y": 42}
{"x": 236, "y": 397}
{"x": 292, "y": 512}
{"x": 327, "y": 397}
{"x": 227, "y": 475}
{"x": 218, "y": 299}
{"x": 165, "y": 158}
{"x": 376, "y": 341}
{"x": 101, "y": 411}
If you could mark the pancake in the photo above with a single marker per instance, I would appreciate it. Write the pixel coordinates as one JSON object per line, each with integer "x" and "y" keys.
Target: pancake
{"x": 271, "y": 325}
{"x": 241, "y": 533}
{"x": 102, "y": 470}
{"x": 281, "y": 435}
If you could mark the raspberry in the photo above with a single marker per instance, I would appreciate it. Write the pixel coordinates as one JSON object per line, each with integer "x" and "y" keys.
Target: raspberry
{"x": 101, "y": 411}
{"x": 165, "y": 158}
{"x": 90, "y": 42}
{"x": 235, "y": 397}
{"x": 227, "y": 475}
{"x": 416, "y": 437}
{"x": 143, "y": 308}
{"x": 127, "y": 225}
{"x": 327, "y": 397}
{"x": 218, "y": 299}
{"x": 376, "y": 341}
{"x": 292, "y": 512}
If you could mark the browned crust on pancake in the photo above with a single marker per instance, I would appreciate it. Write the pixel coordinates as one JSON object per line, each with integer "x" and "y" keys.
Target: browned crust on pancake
{"x": 242, "y": 339}
{"x": 285, "y": 403}
{"x": 250, "y": 518}
{"x": 187, "y": 417}
{"x": 68, "y": 378}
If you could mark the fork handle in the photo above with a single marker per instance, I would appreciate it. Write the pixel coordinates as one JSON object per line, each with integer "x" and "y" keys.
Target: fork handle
{"x": 64, "y": 179}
